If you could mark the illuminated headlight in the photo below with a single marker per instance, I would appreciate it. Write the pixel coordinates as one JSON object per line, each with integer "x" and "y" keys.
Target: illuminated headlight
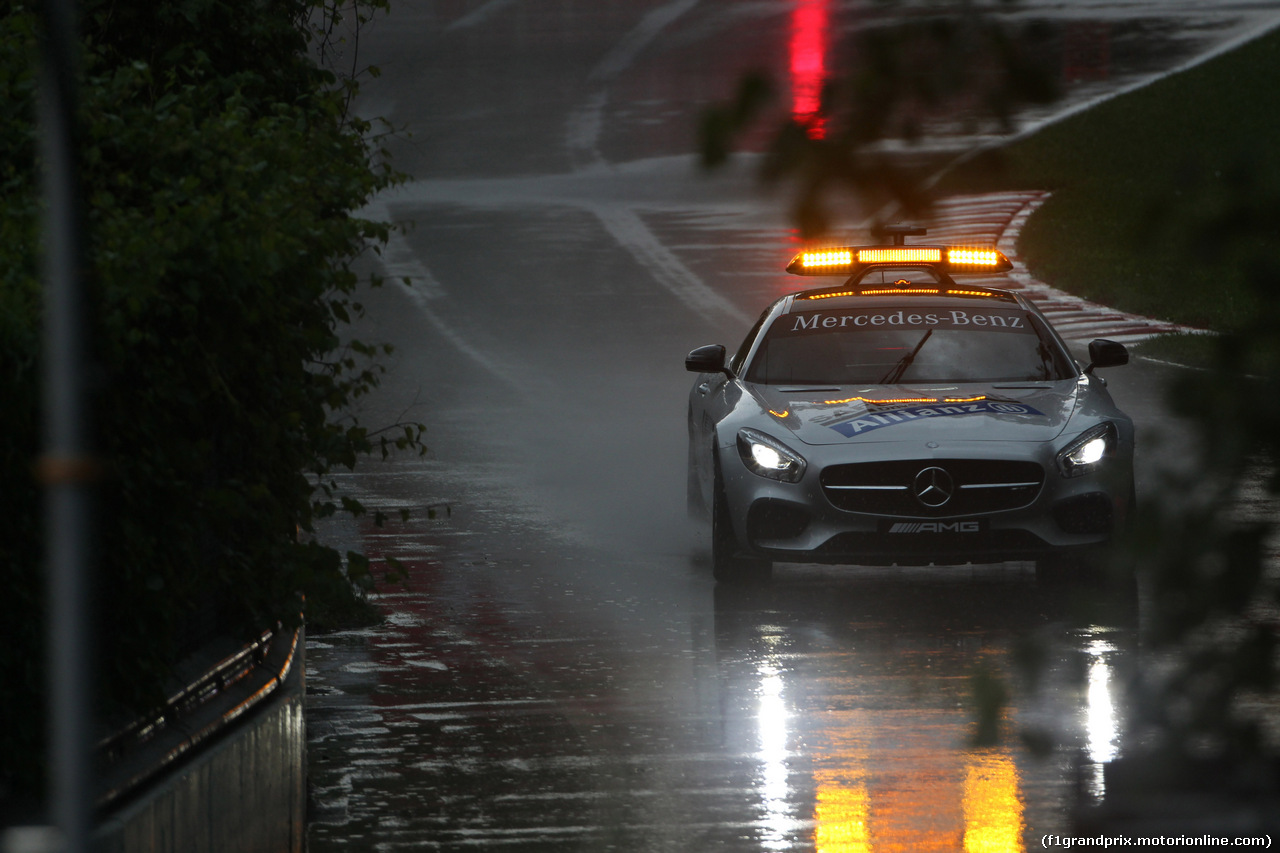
{"x": 769, "y": 457}
{"x": 1088, "y": 451}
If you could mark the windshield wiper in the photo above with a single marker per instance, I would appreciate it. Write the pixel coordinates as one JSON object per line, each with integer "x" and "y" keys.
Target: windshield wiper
{"x": 895, "y": 373}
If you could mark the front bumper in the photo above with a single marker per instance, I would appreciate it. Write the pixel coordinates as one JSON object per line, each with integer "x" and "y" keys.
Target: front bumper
{"x": 800, "y": 522}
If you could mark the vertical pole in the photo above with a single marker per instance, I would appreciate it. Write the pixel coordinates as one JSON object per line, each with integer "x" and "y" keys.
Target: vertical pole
{"x": 65, "y": 468}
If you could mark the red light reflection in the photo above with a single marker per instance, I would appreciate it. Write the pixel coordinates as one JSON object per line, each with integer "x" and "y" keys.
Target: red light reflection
{"x": 809, "y": 19}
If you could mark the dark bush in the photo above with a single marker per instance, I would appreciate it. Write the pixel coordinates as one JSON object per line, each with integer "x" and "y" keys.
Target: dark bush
{"x": 221, "y": 174}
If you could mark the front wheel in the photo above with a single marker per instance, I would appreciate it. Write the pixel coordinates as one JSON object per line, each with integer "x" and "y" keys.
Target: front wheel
{"x": 1102, "y": 584}
{"x": 1109, "y": 568}
{"x": 728, "y": 564}
{"x": 695, "y": 503}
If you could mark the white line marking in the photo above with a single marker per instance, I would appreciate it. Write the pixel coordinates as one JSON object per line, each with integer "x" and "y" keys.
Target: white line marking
{"x": 399, "y": 262}
{"x": 479, "y": 15}
{"x": 629, "y": 230}
{"x": 582, "y": 134}
{"x": 625, "y": 51}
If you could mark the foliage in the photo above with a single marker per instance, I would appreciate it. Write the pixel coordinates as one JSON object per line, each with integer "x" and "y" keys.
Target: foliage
{"x": 220, "y": 172}
{"x": 931, "y": 67}
{"x": 1206, "y": 697}
{"x": 1197, "y": 142}
{"x": 21, "y": 669}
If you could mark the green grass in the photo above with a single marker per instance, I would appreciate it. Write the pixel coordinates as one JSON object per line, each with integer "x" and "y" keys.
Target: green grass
{"x": 1186, "y": 349}
{"x": 1137, "y": 181}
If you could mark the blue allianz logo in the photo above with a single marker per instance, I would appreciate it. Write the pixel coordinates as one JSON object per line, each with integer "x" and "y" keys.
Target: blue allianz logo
{"x": 867, "y": 422}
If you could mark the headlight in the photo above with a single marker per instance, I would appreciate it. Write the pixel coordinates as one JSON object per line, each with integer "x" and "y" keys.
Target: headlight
{"x": 769, "y": 457}
{"x": 1088, "y": 451}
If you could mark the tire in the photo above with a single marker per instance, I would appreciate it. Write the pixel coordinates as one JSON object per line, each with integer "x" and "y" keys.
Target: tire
{"x": 1131, "y": 510}
{"x": 728, "y": 564}
{"x": 695, "y": 504}
{"x": 1101, "y": 588}
{"x": 1103, "y": 568}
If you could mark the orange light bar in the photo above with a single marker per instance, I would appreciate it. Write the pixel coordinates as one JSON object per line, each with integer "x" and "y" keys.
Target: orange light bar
{"x": 901, "y": 255}
{"x": 954, "y": 292}
{"x": 848, "y": 259}
{"x": 832, "y": 258}
{"x": 973, "y": 257}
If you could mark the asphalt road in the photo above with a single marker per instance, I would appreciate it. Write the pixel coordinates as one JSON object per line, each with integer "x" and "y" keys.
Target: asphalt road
{"x": 560, "y": 672}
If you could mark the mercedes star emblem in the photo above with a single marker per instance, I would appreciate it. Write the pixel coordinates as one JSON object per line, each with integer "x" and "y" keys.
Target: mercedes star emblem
{"x": 933, "y": 487}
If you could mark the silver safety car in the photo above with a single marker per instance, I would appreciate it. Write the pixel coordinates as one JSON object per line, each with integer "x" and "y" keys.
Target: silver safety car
{"x": 903, "y": 418}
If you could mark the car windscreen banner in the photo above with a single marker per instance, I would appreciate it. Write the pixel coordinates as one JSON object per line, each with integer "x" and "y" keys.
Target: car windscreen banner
{"x": 984, "y": 319}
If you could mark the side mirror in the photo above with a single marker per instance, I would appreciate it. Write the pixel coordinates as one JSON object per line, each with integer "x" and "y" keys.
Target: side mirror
{"x": 708, "y": 359}
{"x": 1105, "y": 353}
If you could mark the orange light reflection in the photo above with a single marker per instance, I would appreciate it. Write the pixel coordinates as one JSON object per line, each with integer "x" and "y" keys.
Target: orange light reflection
{"x": 842, "y": 814}
{"x": 993, "y": 821}
{"x": 900, "y": 400}
{"x": 860, "y": 809}
{"x": 897, "y": 291}
{"x": 832, "y": 295}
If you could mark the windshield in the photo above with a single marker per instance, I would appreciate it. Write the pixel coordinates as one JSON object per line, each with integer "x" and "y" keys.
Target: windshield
{"x": 889, "y": 345}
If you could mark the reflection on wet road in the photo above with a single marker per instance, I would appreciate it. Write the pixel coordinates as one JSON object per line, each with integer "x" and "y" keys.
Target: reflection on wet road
{"x": 518, "y": 697}
{"x": 560, "y": 672}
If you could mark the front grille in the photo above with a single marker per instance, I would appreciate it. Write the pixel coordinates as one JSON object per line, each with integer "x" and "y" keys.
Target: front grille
{"x": 978, "y": 486}
{"x": 876, "y": 549}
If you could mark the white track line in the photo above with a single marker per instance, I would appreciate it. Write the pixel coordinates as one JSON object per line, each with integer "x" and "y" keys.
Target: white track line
{"x": 625, "y": 51}
{"x": 401, "y": 263}
{"x": 629, "y": 230}
{"x": 479, "y": 16}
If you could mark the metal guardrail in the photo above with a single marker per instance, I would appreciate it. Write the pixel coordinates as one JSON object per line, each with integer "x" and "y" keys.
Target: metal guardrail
{"x": 155, "y": 742}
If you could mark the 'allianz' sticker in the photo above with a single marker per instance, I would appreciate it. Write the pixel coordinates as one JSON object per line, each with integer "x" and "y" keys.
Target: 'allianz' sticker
{"x": 864, "y": 423}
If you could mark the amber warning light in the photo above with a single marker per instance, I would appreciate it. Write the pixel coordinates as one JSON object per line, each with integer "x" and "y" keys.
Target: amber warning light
{"x": 844, "y": 261}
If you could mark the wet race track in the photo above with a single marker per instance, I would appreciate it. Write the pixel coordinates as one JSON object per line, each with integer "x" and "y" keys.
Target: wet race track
{"x": 560, "y": 671}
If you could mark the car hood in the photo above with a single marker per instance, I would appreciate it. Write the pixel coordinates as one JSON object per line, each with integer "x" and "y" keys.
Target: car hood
{"x": 1036, "y": 411}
